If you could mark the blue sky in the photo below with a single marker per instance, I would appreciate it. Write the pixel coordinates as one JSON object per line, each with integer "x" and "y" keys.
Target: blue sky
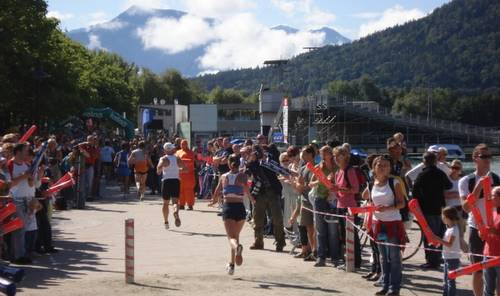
{"x": 354, "y": 19}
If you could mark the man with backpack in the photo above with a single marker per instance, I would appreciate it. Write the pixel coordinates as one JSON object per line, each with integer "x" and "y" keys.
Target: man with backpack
{"x": 429, "y": 189}
{"x": 481, "y": 156}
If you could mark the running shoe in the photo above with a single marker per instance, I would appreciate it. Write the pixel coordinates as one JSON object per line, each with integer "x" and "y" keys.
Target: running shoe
{"x": 177, "y": 220}
{"x": 166, "y": 225}
{"x": 239, "y": 258}
{"x": 230, "y": 268}
{"x": 320, "y": 263}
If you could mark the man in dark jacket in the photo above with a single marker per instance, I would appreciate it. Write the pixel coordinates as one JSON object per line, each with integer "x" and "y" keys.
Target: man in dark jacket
{"x": 266, "y": 191}
{"x": 429, "y": 189}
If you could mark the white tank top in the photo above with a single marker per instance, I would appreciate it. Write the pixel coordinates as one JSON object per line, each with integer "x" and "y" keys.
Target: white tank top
{"x": 172, "y": 170}
{"x": 383, "y": 196}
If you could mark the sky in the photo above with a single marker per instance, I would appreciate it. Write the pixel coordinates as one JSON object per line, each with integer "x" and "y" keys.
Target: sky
{"x": 241, "y": 36}
{"x": 353, "y": 19}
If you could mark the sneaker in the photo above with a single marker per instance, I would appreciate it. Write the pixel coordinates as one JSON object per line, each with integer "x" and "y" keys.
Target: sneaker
{"x": 257, "y": 246}
{"x": 239, "y": 258}
{"x": 181, "y": 207}
{"x": 382, "y": 292}
{"x": 190, "y": 208}
{"x": 166, "y": 225}
{"x": 393, "y": 293}
{"x": 177, "y": 220}
{"x": 230, "y": 269}
{"x": 279, "y": 247}
{"x": 310, "y": 257}
{"x": 320, "y": 263}
{"x": 301, "y": 255}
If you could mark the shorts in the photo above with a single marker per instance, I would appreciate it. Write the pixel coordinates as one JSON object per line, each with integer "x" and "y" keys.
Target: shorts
{"x": 476, "y": 245}
{"x": 306, "y": 216}
{"x": 170, "y": 188}
{"x": 234, "y": 211}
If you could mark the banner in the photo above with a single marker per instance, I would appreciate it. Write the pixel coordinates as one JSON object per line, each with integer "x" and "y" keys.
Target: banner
{"x": 285, "y": 120}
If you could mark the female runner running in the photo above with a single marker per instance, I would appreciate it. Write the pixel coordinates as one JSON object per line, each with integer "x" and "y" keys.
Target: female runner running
{"x": 233, "y": 186}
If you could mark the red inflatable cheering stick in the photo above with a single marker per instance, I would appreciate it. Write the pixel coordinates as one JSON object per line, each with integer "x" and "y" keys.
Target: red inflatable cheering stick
{"x": 487, "y": 200}
{"x": 6, "y": 211}
{"x": 28, "y": 134}
{"x": 414, "y": 207}
{"x": 56, "y": 188}
{"x": 473, "y": 268}
{"x": 361, "y": 210}
{"x": 319, "y": 174}
{"x": 471, "y": 201}
{"x": 6, "y": 224}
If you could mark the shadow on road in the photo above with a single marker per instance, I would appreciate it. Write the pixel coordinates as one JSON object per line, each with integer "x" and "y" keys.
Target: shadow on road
{"x": 269, "y": 285}
{"x": 190, "y": 233}
{"x": 72, "y": 262}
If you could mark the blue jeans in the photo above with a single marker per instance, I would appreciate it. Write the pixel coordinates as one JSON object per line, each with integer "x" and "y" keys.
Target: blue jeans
{"x": 17, "y": 238}
{"x": 490, "y": 276}
{"x": 87, "y": 181}
{"x": 437, "y": 227}
{"x": 450, "y": 286}
{"x": 392, "y": 266}
{"x": 30, "y": 241}
{"x": 328, "y": 242}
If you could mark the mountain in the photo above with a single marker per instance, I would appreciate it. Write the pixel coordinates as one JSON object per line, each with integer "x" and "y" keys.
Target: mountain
{"x": 456, "y": 46}
{"x": 120, "y": 36}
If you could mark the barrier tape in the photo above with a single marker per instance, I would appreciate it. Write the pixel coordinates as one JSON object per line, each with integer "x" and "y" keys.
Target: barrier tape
{"x": 408, "y": 246}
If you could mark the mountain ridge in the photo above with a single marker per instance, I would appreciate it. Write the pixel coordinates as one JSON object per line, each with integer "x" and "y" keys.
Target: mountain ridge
{"x": 120, "y": 35}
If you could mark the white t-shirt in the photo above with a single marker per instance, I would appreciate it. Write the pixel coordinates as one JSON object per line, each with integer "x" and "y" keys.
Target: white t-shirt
{"x": 107, "y": 154}
{"x": 463, "y": 190}
{"x": 455, "y": 201}
{"x": 452, "y": 252}
{"x": 414, "y": 172}
{"x": 22, "y": 190}
{"x": 383, "y": 196}
{"x": 172, "y": 170}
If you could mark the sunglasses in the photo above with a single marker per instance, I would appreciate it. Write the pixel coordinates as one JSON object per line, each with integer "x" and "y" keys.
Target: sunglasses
{"x": 483, "y": 156}
{"x": 456, "y": 168}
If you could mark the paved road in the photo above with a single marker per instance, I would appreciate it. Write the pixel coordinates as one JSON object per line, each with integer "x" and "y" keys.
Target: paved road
{"x": 189, "y": 260}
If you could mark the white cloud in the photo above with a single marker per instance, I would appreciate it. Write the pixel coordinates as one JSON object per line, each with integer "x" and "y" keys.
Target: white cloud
{"x": 367, "y": 15}
{"x": 318, "y": 18}
{"x": 145, "y": 4}
{"x": 312, "y": 15}
{"x": 217, "y": 8}
{"x": 396, "y": 15}
{"x": 60, "y": 15}
{"x": 238, "y": 41}
{"x": 94, "y": 42}
{"x": 97, "y": 17}
{"x": 112, "y": 25}
{"x": 244, "y": 42}
{"x": 175, "y": 36}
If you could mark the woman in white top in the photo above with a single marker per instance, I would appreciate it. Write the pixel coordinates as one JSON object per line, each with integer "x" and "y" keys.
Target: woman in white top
{"x": 387, "y": 197}
{"x": 452, "y": 198}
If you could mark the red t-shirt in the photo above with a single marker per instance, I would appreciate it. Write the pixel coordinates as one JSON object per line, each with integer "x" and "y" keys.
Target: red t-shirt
{"x": 94, "y": 155}
{"x": 492, "y": 246}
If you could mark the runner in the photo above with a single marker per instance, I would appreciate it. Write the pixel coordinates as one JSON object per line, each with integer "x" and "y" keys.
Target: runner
{"x": 141, "y": 162}
{"x": 169, "y": 167}
{"x": 234, "y": 188}
{"x": 122, "y": 168}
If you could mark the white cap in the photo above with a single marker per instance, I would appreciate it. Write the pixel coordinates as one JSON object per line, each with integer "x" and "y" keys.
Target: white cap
{"x": 433, "y": 149}
{"x": 169, "y": 146}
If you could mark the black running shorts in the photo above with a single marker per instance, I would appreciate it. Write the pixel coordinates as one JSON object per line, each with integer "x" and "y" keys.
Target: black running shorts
{"x": 170, "y": 188}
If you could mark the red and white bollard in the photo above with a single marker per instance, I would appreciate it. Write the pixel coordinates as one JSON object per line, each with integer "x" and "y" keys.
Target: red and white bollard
{"x": 349, "y": 244}
{"x": 129, "y": 251}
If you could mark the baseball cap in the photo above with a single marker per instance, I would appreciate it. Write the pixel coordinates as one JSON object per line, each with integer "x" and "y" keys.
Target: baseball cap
{"x": 168, "y": 146}
{"x": 433, "y": 149}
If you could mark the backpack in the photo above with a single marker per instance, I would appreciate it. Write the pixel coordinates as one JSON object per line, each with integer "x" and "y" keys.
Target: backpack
{"x": 361, "y": 177}
{"x": 472, "y": 182}
{"x": 405, "y": 211}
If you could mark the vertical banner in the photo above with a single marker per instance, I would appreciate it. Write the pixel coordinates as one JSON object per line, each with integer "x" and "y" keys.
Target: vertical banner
{"x": 285, "y": 119}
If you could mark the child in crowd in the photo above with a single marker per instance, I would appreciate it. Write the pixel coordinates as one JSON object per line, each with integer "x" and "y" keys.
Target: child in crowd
{"x": 451, "y": 247}
{"x": 400, "y": 139}
{"x": 492, "y": 246}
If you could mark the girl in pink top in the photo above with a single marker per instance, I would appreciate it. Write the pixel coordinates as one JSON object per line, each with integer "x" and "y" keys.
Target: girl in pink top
{"x": 346, "y": 181}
